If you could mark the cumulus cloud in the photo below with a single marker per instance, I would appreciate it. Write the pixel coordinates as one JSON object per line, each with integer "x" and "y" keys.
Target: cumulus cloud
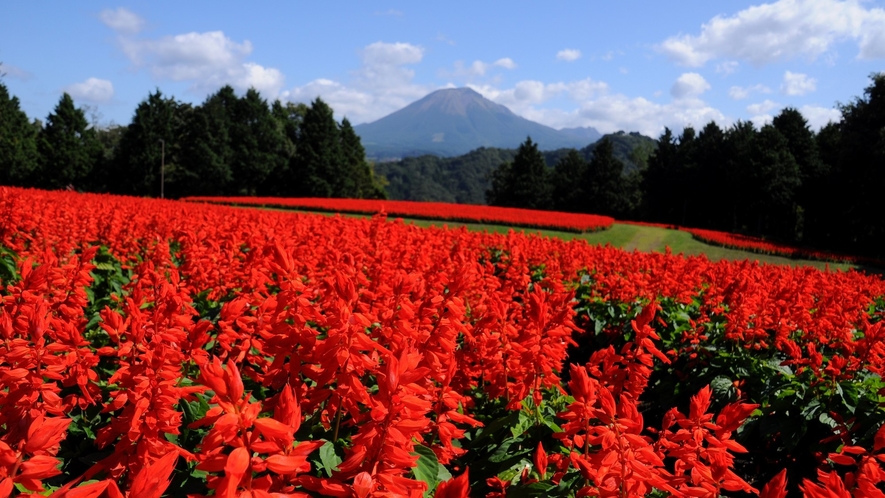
{"x": 505, "y": 62}
{"x": 208, "y": 60}
{"x": 689, "y": 85}
{"x": 797, "y": 84}
{"x": 381, "y": 85}
{"x": 742, "y": 92}
{"x": 92, "y": 90}
{"x": 727, "y": 67}
{"x": 818, "y": 117}
{"x": 122, "y": 20}
{"x": 568, "y": 55}
{"x": 782, "y": 30}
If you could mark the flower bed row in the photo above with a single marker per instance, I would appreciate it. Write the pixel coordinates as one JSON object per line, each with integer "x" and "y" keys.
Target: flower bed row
{"x": 529, "y": 218}
{"x": 762, "y": 246}
{"x": 156, "y": 348}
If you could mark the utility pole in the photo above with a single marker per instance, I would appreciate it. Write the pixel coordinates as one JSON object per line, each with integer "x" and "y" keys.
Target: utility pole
{"x": 162, "y": 167}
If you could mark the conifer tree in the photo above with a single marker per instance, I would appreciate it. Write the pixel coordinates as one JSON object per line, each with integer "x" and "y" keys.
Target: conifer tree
{"x": 68, "y": 147}
{"x": 18, "y": 142}
{"x": 207, "y": 150}
{"x": 319, "y": 159}
{"x": 256, "y": 142}
{"x": 568, "y": 194}
{"x": 603, "y": 182}
{"x": 522, "y": 183}
{"x": 361, "y": 181}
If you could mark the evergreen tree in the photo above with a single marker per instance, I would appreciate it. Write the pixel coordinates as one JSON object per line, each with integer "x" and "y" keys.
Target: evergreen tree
{"x": 825, "y": 227}
{"x": 68, "y": 147}
{"x": 709, "y": 176}
{"x": 18, "y": 142}
{"x": 256, "y": 141}
{"x": 659, "y": 180}
{"x": 522, "y": 183}
{"x": 862, "y": 163}
{"x": 104, "y": 174}
{"x": 207, "y": 150}
{"x": 360, "y": 182}
{"x": 152, "y": 141}
{"x": 288, "y": 118}
{"x": 319, "y": 159}
{"x": 603, "y": 183}
{"x": 776, "y": 177}
{"x": 737, "y": 191}
{"x": 812, "y": 171}
{"x": 566, "y": 180}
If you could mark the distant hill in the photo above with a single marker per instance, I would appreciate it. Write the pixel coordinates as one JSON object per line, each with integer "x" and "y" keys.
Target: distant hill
{"x": 464, "y": 179}
{"x": 454, "y": 121}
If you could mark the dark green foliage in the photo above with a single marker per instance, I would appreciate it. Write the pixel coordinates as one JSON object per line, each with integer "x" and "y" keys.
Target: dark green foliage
{"x": 603, "y": 187}
{"x": 158, "y": 120}
{"x": 288, "y": 118}
{"x": 256, "y": 141}
{"x": 18, "y": 144}
{"x": 207, "y": 145}
{"x": 522, "y": 183}
{"x": 776, "y": 179}
{"x": 68, "y": 147}
{"x": 568, "y": 192}
{"x": 358, "y": 179}
{"x": 319, "y": 164}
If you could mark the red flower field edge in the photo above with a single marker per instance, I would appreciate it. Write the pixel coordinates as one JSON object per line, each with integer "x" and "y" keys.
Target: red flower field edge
{"x": 158, "y": 348}
{"x": 762, "y": 246}
{"x": 529, "y": 218}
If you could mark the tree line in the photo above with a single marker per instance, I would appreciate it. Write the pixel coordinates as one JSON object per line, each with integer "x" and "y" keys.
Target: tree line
{"x": 228, "y": 145}
{"x": 782, "y": 181}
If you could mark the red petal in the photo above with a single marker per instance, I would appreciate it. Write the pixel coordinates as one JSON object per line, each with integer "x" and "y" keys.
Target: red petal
{"x": 362, "y": 484}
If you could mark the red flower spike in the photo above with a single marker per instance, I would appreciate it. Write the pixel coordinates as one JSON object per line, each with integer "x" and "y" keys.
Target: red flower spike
{"x": 541, "y": 461}
{"x": 45, "y": 433}
{"x": 362, "y": 484}
{"x": 152, "y": 480}
{"x": 456, "y": 487}
{"x": 776, "y": 487}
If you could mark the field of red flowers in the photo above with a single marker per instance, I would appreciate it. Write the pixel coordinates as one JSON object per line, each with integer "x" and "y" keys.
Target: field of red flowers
{"x": 467, "y": 213}
{"x": 157, "y": 348}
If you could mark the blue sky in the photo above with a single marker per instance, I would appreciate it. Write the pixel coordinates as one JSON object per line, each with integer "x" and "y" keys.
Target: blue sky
{"x": 628, "y": 65}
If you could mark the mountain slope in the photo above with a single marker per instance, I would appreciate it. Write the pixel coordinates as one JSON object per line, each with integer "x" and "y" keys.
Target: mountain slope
{"x": 454, "y": 121}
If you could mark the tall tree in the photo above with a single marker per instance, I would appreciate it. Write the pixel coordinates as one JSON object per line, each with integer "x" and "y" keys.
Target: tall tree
{"x": 862, "y": 163}
{"x": 708, "y": 176}
{"x": 257, "y": 143}
{"x": 68, "y": 147}
{"x": 603, "y": 183}
{"x": 207, "y": 150}
{"x": 566, "y": 180}
{"x": 319, "y": 159}
{"x": 740, "y": 144}
{"x": 812, "y": 170}
{"x": 777, "y": 180}
{"x": 522, "y": 183}
{"x": 361, "y": 181}
{"x": 18, "y": 142}
{"x": 659, "y": 180}
{"x": 288, "y": 118}
{"x": 152, "y": 141}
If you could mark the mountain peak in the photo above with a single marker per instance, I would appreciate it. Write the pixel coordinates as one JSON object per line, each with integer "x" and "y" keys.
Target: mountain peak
{"x": 454, "y": 121}
{"x": 458, "y": 102}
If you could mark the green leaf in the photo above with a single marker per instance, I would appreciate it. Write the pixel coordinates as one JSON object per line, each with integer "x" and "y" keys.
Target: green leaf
{"x": 329, "y": 458}
{"x": 427, "y": 469}
{"x": 533, "y": 489}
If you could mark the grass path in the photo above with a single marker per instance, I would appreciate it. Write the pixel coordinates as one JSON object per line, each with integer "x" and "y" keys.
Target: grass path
{"x": 633, "y": 237}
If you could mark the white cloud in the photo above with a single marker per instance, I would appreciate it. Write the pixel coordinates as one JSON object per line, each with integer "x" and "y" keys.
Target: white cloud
{"x": 506, "y": 63}
{"x": 122, "y": 20}
{"x": 689, "y": 85}
{"x": 798, "y": 84}
{"x": 92, "y": 90}
{"x": 380, "y": 86}
{"x": 763, "y": 107}
{"x": 740, "y": 93}
{"x": 14, "y": 72}
{"x": 782, "y": 30}
{"x": 209, "y": 60}
{"x": 818, "y": 117}
{"x": 727, "y": 67}
{"x": 568, "y": 55}
{"x": 595, "y": 106}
